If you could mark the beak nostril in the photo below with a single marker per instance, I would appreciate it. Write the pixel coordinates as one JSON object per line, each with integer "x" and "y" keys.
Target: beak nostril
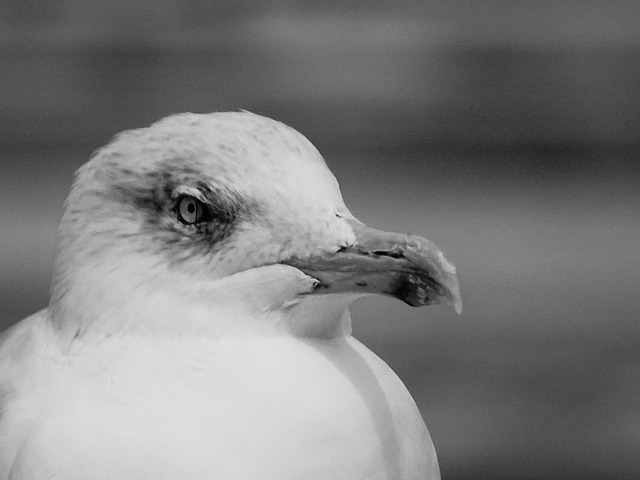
{"x": 387, "y": 253}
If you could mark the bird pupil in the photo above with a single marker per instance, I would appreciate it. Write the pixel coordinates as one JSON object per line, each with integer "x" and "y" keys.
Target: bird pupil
{"x": 191, "y": 208}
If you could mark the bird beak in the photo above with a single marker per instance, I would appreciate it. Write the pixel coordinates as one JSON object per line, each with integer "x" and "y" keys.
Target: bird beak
{"x": 408, "y": 267}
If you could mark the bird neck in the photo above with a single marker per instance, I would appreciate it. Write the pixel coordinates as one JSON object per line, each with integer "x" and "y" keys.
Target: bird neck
{"x": 101, "y": 301}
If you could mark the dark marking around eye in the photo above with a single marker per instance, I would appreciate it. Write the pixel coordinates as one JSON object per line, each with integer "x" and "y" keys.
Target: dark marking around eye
{"x": 151, "y": 197}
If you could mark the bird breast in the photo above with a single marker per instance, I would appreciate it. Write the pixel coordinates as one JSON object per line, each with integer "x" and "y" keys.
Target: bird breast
{"x": 275, "y": 407}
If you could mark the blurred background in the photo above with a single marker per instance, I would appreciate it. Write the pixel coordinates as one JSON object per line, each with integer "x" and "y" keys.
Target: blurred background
{"x": 506, "y": 131}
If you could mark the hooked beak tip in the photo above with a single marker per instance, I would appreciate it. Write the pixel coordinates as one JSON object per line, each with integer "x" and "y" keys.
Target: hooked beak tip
{"x": 454, "y": 294}
{"x": 451, "y": 284}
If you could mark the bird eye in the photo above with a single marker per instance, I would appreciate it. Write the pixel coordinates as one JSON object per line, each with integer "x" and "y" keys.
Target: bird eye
{"x": 191, "y": 210}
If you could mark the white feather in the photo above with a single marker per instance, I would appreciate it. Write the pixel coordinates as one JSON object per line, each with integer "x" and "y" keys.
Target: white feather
{"x": 212, "y": 369}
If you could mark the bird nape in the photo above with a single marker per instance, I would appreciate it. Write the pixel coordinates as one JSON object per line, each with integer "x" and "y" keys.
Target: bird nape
{"x": 198, "y": 325}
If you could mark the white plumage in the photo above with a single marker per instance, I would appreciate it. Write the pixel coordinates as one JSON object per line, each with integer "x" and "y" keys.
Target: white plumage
{"x": 219, "y": 348}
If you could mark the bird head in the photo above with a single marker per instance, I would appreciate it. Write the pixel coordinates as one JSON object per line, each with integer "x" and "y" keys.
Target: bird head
{"x": 226, "y": 209}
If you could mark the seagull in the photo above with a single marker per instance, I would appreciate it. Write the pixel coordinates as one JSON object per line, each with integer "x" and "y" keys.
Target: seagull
{"x": 198, "y": 324}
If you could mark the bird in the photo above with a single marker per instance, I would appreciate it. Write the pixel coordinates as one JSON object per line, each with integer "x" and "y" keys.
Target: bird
{"x": 198, "y": 323}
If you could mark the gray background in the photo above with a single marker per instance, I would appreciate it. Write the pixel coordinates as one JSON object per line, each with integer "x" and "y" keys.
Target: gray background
{"x": 507, "y": 132}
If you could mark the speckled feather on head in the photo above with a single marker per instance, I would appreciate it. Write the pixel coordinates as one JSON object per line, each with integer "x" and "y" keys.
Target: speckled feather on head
{"x": 247, "y": 166}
